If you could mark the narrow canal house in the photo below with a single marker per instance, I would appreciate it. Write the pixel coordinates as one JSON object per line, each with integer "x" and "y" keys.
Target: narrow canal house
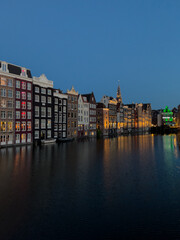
{"x": 83, "y": 116}
{"x": 60, "y": 114}
{"x": 43, "y": 108}
{"x": 15, "y": 104}
{"x": 72, "y": 113}
{"x": 92, "y": 113}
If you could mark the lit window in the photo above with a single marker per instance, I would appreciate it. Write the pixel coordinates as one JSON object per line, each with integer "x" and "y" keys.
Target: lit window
{"x": 23, "y": 114}
{"x": 3, "y": 81}
{"x": 23, "y": 85}
{"x": 29, "y": 126}
{"x": 23, "y": 105}
{"x": 17, "y": 126}
{"x": 3, "y": 126}
{"x": 23, "y": 126}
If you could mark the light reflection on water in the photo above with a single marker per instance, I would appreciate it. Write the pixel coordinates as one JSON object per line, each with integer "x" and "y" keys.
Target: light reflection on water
{"x": 120, "y": 187}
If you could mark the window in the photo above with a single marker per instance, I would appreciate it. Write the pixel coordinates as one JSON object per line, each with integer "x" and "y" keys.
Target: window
{"x": 56, "y": 108}
{"x": 10, "y": 115}
{"x": 3, "y": 126}
{"x": 29, "y": 126}
{"x": 10, "y": 83}
{"x": 17, "y": 137}
{"x": 23, "y": 85}
{"x": 36, "y": 134}
{"x": 49, "y": 100}
{"x": 43, "y": 99}
{"x": 4, "y": 67}
{"x": 64, "y": 109}
{"x": 3, "y": 114}
{"x": 56, "y": 100}
{"x": 3, "y": 103}
{"x": 23, "y": 95}
{"x": 49, "y": 112}
{"x": 36, "y": 111}
{"x": 28, "y": 86}
{"x": 28, "y": 115}
{"x": 43, "y": 90}
{"x": 17, "y": 84}
{"x": 64, "y": 118}
{"x": 10, "y": 126}
{"x": 43, "y": 123}
{"x": 17, "y": 115}
{"x": 23, "y": 126}
{"x": 3, "y": 92}
{"x": 28, "y": 105}
{"x": 29, "y": 137}
{"x": 17, "y": 104}
{"x": 28, "y": 96}
{"x": 64, "y": 102}
{"x": 37, "y": 89}
{"x": 49, "y": 92}
{"x": 23, "y": 105}
{"x": 23, "y": 115}
{"x": 36, "y": 123}
{"x": 36, "y": 98}
{"x": 18, "y": 94}
{"x": 3, "y": 81}
{"x": 49, "y": 123}
{"x": 23, "y": 72}
{"x": 49, "y": 134}
{"x": 17, "y": 126}
{"x": 10, "y": 93}
{"x": 43, "y": 112}
{"x": 64, "y": 127}
{"x": 23, "y": 137}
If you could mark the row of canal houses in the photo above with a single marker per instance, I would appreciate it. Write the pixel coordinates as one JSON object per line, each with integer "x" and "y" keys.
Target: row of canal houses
{"x": 32, "y": 111}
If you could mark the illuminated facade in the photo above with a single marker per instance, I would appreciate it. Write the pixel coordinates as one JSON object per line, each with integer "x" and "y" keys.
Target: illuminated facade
{"x": 178, "y": 117}
{"x": 83, "y": 116}
{"x": 102, "y": 114}
{"x": 16, "y": 105}
{"x": 72, "y": 113}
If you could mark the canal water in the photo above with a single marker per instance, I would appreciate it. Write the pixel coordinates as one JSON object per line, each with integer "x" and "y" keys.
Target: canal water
{"x": 118, "y": 188}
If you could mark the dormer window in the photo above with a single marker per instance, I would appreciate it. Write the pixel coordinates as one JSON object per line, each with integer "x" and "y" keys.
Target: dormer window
{"x": 23, "y": 72}
{"x": 4, "y": 67}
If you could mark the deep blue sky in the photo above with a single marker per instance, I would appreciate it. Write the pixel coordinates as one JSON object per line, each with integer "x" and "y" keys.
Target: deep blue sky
{"x": 93, "y": 44}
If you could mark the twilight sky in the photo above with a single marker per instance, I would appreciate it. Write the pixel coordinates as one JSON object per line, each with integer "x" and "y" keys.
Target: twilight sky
{"x": 92, "y": 44}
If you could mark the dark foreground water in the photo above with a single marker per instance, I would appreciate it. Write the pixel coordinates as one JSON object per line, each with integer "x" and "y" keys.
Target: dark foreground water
{"x": 121, "y": 188}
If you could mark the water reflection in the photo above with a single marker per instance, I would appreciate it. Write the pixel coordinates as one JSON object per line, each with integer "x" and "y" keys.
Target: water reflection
{"x": 112, "y": 185}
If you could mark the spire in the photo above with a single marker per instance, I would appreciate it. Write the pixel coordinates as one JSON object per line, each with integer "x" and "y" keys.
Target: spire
{"x": 118, "y": 97}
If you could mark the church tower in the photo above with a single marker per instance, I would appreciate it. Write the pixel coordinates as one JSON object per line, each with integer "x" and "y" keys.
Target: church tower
{"x": 118, "y": 97}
